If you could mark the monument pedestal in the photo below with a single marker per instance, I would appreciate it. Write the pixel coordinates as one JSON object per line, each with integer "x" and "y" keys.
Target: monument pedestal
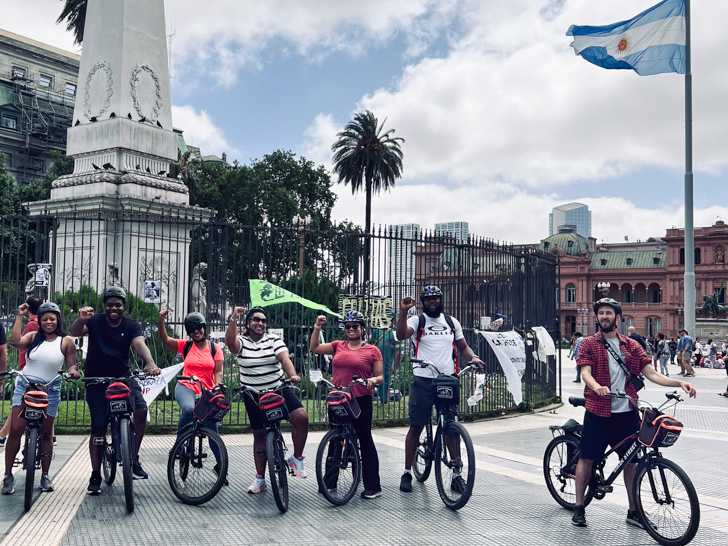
{"x": 710, "y": 328}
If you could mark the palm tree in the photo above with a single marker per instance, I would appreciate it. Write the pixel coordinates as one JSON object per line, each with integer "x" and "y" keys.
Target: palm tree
{"x": 365, "y": 155}
{"x": 74, "y": 13}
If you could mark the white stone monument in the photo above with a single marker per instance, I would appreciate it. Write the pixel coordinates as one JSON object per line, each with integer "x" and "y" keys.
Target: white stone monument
{"x": 123, "y": 142}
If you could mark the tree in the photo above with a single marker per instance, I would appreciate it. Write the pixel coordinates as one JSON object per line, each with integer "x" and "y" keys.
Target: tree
{"x": 74, "y": 13}
{"x": 363, "y": 155}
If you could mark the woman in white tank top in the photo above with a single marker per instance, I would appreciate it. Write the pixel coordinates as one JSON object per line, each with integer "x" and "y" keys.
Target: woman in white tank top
{"x": 47, "y": 351}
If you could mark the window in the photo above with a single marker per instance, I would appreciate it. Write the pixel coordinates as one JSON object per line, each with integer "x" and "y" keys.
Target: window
{"x": 546, "y": 246}
{"x": 627, "y": 295}
{"x": 46, "y": 81}
{"x": 682, "y": 256}
{"x": 604, "y": 261}
{"x": 656, "y": 260}
{"x": 653, "y": 326}
{"x": 11, "y": 122}
{"x": 570, "y": 244}
{"x": 697, "y": 256}
{"x": 18, "y": 73}
{"x": 629, "y": 261}
{"x": 71, "y": 89}
{"x": 8, "y": 160}
{"x": 570, "y": 293}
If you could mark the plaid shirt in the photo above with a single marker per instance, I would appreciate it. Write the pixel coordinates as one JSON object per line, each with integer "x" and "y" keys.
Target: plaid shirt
{"x": 593, "y": 353}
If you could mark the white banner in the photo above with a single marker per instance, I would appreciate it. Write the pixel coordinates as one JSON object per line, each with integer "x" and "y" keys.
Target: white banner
{"x": 153, "y": 386}
{"x": 511, "y": 353}
{"x": 545, "y": 341}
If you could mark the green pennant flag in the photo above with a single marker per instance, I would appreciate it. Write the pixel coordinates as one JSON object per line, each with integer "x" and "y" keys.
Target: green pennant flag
{"x": 263, "y": 294}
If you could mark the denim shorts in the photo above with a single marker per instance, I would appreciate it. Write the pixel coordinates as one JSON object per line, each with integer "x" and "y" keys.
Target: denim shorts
{"x": 54, "y": 395}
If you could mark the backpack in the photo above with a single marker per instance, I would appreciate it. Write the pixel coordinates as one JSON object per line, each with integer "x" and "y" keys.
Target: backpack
{"x": 648, "y": 349}
{"x": 188, "y": 348}
{"x": 421, "y": 331}
{"x": 713, "y": 350}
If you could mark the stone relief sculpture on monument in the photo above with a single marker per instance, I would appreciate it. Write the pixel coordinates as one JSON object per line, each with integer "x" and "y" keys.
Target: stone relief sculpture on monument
{"x": 198, "y": 289}
{"x": 113, "y": 278}
{"x": 30, "y": 285}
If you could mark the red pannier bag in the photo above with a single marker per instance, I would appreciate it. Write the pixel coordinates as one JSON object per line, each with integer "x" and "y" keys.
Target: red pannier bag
{"x": 343, "y": 407}
{"x": 272, "y": 408}
{"x": 119, "y": 397}
{"x": 212, "y": 406}
{"x": 659, "y": 430}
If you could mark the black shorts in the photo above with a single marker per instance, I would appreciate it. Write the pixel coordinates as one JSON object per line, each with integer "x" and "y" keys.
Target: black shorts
{"x": 602, "y": 431}
{"x": 98, "y": 406}
{"x": 251, "y": 406}
{"x": 421, "y": 400}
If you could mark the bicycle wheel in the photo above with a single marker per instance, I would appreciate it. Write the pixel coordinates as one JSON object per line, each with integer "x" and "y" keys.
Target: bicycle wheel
{"x": 423, "y": 456}
{"x": 277, "y": 468}
{"x": 31, "y": 454}
{"x": 338, "y": 467}
{"x": 109, "y": 458}
{"x": 666, "y": 502}
{"x": 454, "y": 465}
{"x": 559, "y": 470}
{"x": 126, "y": 456}
{"x": 190, "y": 468}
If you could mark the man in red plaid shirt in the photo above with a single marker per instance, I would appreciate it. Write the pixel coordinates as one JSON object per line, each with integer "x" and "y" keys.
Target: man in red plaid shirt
{"x": 609, "y": 420}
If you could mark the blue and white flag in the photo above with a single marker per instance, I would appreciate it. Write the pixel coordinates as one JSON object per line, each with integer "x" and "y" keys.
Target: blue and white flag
{"x": 651, "y": 43}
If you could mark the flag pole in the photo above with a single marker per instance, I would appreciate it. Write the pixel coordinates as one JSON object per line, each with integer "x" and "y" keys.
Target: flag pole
{"x": 689, "y": 280}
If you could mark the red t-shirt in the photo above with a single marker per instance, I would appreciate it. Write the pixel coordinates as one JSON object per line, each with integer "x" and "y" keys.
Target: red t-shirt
{"x": 32, "y": 326}
{"x": 348, "y": 363}
{"x": 199, "y": 363}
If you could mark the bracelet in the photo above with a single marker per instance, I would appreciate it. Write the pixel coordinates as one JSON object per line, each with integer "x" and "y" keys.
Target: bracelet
{"x": 316, "y": 327}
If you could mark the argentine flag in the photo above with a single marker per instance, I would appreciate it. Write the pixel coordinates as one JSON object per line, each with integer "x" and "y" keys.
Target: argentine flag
{"x": 651, "y": 43}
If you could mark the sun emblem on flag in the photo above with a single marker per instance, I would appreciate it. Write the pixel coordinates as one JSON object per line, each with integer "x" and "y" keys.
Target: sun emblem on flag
{"x": 623, "y": 46}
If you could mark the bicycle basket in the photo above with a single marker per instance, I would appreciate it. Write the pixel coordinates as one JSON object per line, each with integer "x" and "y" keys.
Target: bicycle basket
{"x": 659, "y": 430}
{"x": 446, "y": 390}
{"x": 212, "y": 406}
{"x": 272, "y": 408}
{"x": 342, "y": 406}
{"x": 119, "y": 397}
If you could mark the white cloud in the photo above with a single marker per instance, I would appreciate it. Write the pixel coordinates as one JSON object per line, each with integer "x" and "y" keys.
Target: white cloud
{"x": 201, "y": 131}
{"x": 318, "y": 138}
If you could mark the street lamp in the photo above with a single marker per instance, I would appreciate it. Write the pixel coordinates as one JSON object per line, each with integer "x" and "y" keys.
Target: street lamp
{"x": 604, "y": 288}
{"x": 679, "y": 319}
{"x": 302, "y": 224}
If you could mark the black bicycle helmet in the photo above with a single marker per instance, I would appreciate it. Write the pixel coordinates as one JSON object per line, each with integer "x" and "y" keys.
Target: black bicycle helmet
{"x": 614, "y": 304}
{"x": 428, "y": 291}
{"x": 355, "y": 316}
{"x": 114, "y": 292}
{"x": 48, "y": 307}
{"x": 193, "y": 321}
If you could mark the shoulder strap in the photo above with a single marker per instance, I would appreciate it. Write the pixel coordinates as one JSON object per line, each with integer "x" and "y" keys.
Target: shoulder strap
{"x": 187, "y": 349}
{"x": 419, "y": 332}
{"x": 455, "y": 358}
{"x": 213, "y": 348}
{"x": 615, "y": 356}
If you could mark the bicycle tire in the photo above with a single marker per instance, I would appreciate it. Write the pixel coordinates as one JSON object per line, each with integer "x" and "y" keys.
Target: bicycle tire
{"x": 654, "y": 528}
{"x": 458, "y": 498}
{"x": 184, "y": 451}
{"x": 126, "y": 457}
{"x": 330, "y": 466}
{"x": 31, "y": 453}
{"x": 277, "y": 468}
{"x": 422, "y": 465}
{"x": 560, "y": 449}
{"x": 109, "y": 462}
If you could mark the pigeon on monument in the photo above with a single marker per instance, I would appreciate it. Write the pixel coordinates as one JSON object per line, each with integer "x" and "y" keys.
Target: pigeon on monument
{"x": 112, "y": 115}
{"x": 93, "y": 119}
{"x": 78, "y": 122}
{"x": 108, "y": 166}
{"x": 96, "y": 167}
{"x": 143, "y": 120}
{"x": 160, "y": 173}
{"x": 149, "y": 170}
{"x": 138, "y": 168}
{"x": 159, "y": 125}
{"x": 129, "y": 115}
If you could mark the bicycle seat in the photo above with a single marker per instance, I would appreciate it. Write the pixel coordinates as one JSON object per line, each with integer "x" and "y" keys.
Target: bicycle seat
{"x": 577, "y": 401}
{"x": 572, "y": 426}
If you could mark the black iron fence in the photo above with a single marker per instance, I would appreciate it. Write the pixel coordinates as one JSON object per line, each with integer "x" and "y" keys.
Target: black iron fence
{"x": 184, "y": 266}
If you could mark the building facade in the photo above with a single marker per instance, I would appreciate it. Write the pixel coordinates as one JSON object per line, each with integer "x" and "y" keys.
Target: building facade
{"x": 645, "y": 277}
{"x": 457, "y": 230}
{"x": 38, "y": 88}
{"x": 575, "y": 216}
{"x": 401, "y": 245}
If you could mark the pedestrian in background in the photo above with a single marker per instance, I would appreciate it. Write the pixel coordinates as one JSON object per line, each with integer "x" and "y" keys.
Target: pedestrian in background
{"x": 673, "y": 348}
{"x": 577, "y": 340}
{"x": 663, "y": 353}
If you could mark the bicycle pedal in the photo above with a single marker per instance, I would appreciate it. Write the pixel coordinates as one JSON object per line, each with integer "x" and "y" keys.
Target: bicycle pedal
{"x": 606, "y": 489}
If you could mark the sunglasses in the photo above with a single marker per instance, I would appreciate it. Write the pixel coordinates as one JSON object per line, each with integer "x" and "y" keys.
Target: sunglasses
{"x": 260, "y": 320}
{"x": 351, "y": 326}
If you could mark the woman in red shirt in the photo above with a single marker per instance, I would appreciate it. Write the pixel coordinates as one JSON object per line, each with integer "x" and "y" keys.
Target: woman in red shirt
{"x": 354, "y": 357}
{"x": 199, "y": 362}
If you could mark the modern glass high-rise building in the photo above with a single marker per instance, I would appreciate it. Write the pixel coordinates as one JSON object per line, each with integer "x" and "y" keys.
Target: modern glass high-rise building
{"x": 458, "y": 230}
{"x": 401, "y": 259}
{"x": 572, "y": 215}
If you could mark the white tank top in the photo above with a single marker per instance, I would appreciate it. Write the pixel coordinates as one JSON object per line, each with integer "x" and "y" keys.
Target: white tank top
{"x": 45, "y": 361}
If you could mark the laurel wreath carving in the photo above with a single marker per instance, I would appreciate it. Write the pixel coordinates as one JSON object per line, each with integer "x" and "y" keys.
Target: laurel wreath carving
{"x": 136, "y": 73}
{"x": 101, "y": 65}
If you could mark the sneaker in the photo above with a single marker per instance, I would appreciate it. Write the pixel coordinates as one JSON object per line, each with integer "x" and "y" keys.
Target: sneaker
{"x": 632, "y": 519}
{"x": 576, "y": 381}
{"x": 458, "y": 485}
{"x": 138, "y": 471}
{"x": 55, "y": 441}
{"x": 94, "y": 484}
{"x": 579, "y": 517}
{"x": 405, "y": 483}
{"x": 258, "y": 485}
{"x": 46, "y": 485}
{"x": 369, "y": 494}
{"x": 216, "y": 468}
{"x": 2, "y": 441}
{"x": 296, "y": 465}
{"x": 8, "y": 485}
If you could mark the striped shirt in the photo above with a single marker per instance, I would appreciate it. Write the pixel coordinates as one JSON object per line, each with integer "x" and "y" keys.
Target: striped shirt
{"x": 259, "y": 365}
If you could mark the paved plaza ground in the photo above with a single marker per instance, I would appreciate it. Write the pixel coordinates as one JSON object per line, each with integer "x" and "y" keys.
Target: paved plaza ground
{"x": 510, "y": 504}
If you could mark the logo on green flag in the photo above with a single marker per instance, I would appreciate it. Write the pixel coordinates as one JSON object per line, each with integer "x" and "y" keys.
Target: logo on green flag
{"x": 263, "y": 294}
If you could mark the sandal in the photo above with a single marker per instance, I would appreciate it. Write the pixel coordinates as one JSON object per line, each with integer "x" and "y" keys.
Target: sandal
{"x": 723, "y": 394}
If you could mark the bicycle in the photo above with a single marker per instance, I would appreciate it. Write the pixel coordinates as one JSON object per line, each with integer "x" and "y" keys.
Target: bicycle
{"x": 662, "y": 491}
{"x": 337, "y": 459}
{"x": 192, "y": 481}
{"x": 273, "y": 410}
{"x": 119, "y": 438}
{"x": 446, "y": 445}
{"x": 35, "y": 402}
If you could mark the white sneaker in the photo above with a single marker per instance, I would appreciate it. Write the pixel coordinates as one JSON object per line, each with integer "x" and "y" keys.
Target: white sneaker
{"x": 258, "y": 485}
{"x": 297, "y": 466}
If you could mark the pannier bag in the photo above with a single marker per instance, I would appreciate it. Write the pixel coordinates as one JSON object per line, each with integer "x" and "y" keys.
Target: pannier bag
{"x": 342, "y": 406}
{"x": 659, "y": 430}
{"x": 272, "y": 408}
{"x": 34, "y": 404}
{"x": 446, "y": 390}
{"x": 212, "y": 406}
{"x": 119, "y": 396}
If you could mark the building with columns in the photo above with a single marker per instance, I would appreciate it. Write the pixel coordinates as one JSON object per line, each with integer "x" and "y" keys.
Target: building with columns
{"x": 645, "y": 277}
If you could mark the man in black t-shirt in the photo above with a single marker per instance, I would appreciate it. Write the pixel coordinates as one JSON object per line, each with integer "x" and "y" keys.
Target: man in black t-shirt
{"x": 110, "y": 336}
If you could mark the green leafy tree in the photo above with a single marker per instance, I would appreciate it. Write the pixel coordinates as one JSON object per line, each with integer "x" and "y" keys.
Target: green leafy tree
{"x": 74, "y": 14}
{"x": 365, "y": 156}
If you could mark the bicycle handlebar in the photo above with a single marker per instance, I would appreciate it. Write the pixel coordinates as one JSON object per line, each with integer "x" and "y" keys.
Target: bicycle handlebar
{"x": 61, "y": 375}
{"x": 242, "y": 389}
{"x": 424, "y": 364}
{"x": 139, "y": 376}
{"x": 194, "y": 379}
{"x": 355, "y": 381}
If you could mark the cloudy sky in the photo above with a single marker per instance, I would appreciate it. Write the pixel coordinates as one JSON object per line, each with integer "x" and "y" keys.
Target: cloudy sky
{"x": 501, "y": 120}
